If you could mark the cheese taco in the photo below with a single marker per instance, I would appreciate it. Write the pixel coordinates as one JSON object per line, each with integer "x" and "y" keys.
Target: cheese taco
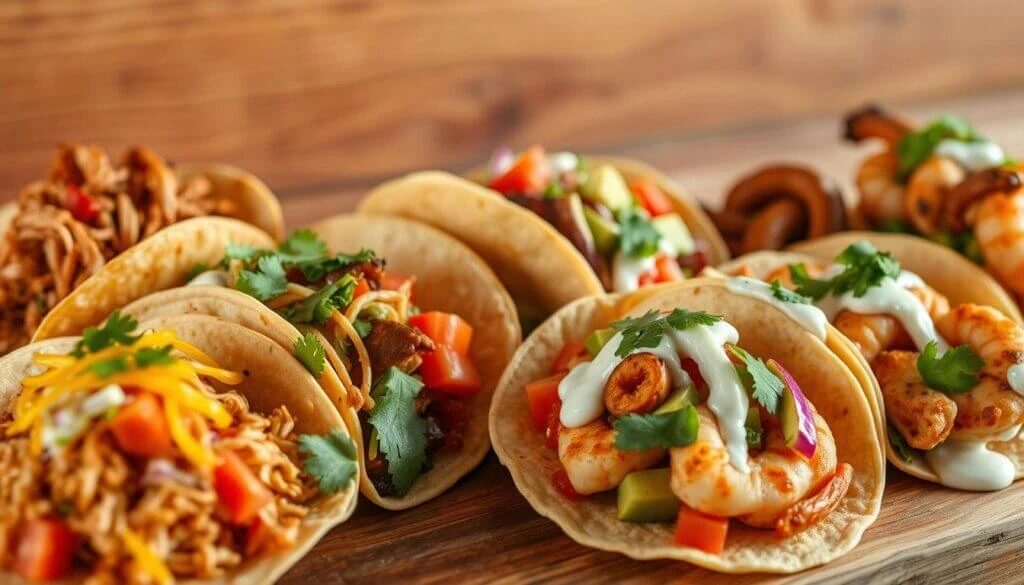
{"x": 943, "y": 342}
{"x": 193, "y": 449}
{"x": 557, "y": 227}
{"x": 695, "y": 424}
{"x": 405, "y": 328}
{"x": 88, "y": 210}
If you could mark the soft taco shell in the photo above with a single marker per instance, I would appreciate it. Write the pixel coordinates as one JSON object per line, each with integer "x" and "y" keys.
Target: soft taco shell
{"x": 765, "y": 331}
{"x": 274, "y": 379}
{"x": 253, "y": 201}
{"x": 159, "y": 262}
{"x": 451, "y": 278}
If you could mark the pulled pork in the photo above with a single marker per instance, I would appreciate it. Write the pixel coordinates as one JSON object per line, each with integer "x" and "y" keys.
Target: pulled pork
{"x": 68, "y": 226}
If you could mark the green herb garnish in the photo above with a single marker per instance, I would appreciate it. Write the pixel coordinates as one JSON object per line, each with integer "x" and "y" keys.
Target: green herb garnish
{"x": 899, "y": 444}
{"x": 647, "y": 331}
{"x": 311, "y": 353}
{"x": 639, "y": 432}
{"x": 866, "y": 267}
{"x": 330, "y": 459}
{"x": 915, "y": 148}
{"x": 117, "y": 329}
{"x": 266, "y": 282}
{"x": 766, "y": 387}
{"x": 955, "y": 372}
{"x": 637, "y": 235}
{"x": 401, "y": 432}
{"x": 787, "y": 296}
{"x": 317, "y": 307}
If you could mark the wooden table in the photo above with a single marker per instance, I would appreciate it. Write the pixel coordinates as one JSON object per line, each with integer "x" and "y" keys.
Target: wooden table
{"x": 484, "y": 531}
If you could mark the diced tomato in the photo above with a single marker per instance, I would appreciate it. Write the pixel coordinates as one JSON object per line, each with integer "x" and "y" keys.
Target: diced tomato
{"x": 140, "y": 427}
{"x": 570, "y": 351}
{"x": 554, "y": 424}
{"x": 541, "y": 395}
{"x": 564, "y": 486}
{"x": 701, "y": 531}
{"x": 453, "y": 418}
{"x": 648, "y": 277}
{"x": 696, "y": 260}
{"x": 44, "y": 549}
{"x": 529, "y": 175}
{"x": 83, "y": 207}
{"x": 445, "y": 329}
{"x": 668, "y": 270}
{"x": 362, "y": 287}
{"x": 651, "y": 197}
{"x": 446, "y": 370}
{"x": 240, "y": 492}
{"x": 691, "y": 368}
{"x": 262, "y": 539}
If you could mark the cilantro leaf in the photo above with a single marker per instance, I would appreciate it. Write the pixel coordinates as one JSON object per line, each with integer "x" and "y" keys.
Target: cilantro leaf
{"x": 917, "y": 146}
{"x": 639, "y": 432}
{"x": 108, "y": 368}
{"x": 899, "y": 444}
{"x": 638, "y": 237}
{"x": 767, "y": 387}
{"x": 301, "y": 246}
{"x": 143, "y": 358}
{"x": 638, "y": 332}
{"x": 315, "y": 270}
{"x": 754, "y": 437}
{"x": 362, "y": 327}
{"x": 866, "y": 267}
{"x": 331, "y": 459}
{"x": 956, "y": 371}
{"x": 311, "y": 353}
{"x": 681, "y": 319}
{"x": 117, "y": 329}
{"x": 787, "y": 296}
{"x": 243, "y": 252}
{"x": 267, "y": 282}
{"x": 153, "y": 356}
{"x": 401, "y": 432}
{"x": 317, "y": 307}
{"x": 197, "y": 269}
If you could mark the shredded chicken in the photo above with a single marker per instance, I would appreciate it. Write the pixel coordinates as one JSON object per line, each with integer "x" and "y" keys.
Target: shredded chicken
{"x": 88, "y": 211}
{"x": 100, "y": 492}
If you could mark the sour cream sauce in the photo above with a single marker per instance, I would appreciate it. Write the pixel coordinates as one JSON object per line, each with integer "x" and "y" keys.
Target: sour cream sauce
{"x": 626, "y": 270}
{"x": 972, "y": 155}
{"x": 582, "y": 390}
{"x": 807, "y": 316}
{"x": 971, "y": 465}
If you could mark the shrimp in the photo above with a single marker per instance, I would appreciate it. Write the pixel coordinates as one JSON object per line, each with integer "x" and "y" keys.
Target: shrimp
{"x": 779, "y": 478}
{"x": 785, "y": 278}
{"x": 874, "y": 333}
{"x": 881, "y": 194}
{"x": 992, "y": 406}
{"x": 999, "y": 229}
{"x": 592, "y": 462}
{"x": 928, "y": 190}
{"x": 923, "y": 416}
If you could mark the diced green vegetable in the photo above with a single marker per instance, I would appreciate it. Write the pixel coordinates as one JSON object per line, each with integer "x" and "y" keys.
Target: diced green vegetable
{"x": 672, "y": 228}
{"x": 597, "y": 340}
{"x": 605, "y": 231}
{"x": 679, "y": 398}
{"x": 605, "y": 185}
{"x": 646, "y": 496}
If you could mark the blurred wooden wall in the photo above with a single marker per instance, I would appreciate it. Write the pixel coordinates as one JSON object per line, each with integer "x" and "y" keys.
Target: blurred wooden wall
{"x": 314, "y": 95}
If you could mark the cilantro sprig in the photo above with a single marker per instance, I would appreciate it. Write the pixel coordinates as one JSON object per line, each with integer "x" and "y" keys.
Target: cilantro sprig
{"x": 311, "y": 353}
{"x": 117, "y": 329}
{"x": 330, "y": 459}
{"x": 787, "y": 296}
{"x": 765, "y": 386}
{"x": 647, "y": 331}
{"x": 401, "y": 432}
{"x": 865, "y": 267}
{"x": 266, "y": 282}
{"x": 638, "y": 236}
{"x": 915, "y": 148}
{"x": 639, "y": 432}
{"x": 899, "y": 444}
{"x": 955, "y": 372}
{"x": 145, "y": 357}
{"x": 317, "y": 307}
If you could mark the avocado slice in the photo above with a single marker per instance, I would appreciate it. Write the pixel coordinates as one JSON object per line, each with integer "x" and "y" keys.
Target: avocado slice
{"x": 606, "y": 185}
{"x": 678, "y": 399}
{"x": 597, "y": 340}
{"x": 605, "y": 231}
{"x": 646, "y": 496}
{"x": 671, "y": 227}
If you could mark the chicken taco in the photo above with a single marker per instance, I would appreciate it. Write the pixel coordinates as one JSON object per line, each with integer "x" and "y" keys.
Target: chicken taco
{"x": 943, "y": 342}
{"x": 557, "y": 227}
{"x": 197, "y": 451}
{"x": 405, "y": 328}
{"x": 67, "y": 227}
{"x": 696, "y": 424}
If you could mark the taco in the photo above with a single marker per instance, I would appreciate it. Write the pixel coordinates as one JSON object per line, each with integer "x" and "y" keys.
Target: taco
{"x": 695, "y": 424}
{"x": 193, "y": 449}
{"x": 407, "y": 335}
{"x": 559, "y": 227}
{"x": 67, "y": 227}
{"x": 943, "y": 342}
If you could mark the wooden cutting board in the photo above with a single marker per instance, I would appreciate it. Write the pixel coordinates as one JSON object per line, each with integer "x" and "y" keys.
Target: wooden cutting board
{"x": 483, "y": 531}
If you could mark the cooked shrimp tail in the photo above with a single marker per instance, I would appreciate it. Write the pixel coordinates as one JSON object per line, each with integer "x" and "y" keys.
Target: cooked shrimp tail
{"x": 814, "y": 509}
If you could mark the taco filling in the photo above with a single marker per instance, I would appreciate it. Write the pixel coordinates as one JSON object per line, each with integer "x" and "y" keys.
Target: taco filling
{"x": 87, "y": 211}
{"x": 952, "y": 379}
{"x": 669, "y": 410}
{"x": 121, "y": 460}
{"x": 406, "y": 371}
{"x": 629, "y": 232}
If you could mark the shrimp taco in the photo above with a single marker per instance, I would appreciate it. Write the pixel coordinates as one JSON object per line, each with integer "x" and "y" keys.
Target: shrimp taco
{"x": 406, "y": 329}
{"x": 194, "y": 449}
{"x": 943, "y": 343}
{"x": 561, "y": 226}
{"x": 696, "y": 424}
{"x": 945, "y": 182}
{"x": 68, "y": 227}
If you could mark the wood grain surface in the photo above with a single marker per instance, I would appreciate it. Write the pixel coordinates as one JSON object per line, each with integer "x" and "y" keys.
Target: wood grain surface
{"x": 315, "y": 94}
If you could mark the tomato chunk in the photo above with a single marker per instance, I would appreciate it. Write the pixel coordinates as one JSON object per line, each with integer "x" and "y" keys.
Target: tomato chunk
{"x": 651, "y": 197}
{"x": 570, "y": 351}
{"x": 392, "y": 281}
{"x": 541, "y": 396}
{"x": 453, "y": 418}
{"x": 564, "y": 486}
{"x": 668, "y": 270}
{"x": 445, "y": 329}
{"x": 240, "y": 492}
{"x": 701, "y": 531}
{"x": 45, "y": 547}
{"x": 140, "y": 427}
{"x": 83, "y": 207}
{"x": 362, "y": 287}
{"x": 446, "y": 370}
{"x": 529, "y": 174}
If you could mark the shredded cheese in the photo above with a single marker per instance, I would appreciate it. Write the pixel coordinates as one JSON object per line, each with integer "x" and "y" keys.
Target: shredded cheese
{"x": 145, "y": 559}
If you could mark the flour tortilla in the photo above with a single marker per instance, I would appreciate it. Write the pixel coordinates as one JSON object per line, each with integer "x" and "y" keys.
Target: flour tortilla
{"x": 275, "y": 379}
{"x": 159, "y": 262}
{"x": 765, "y": 331}
{"x": 538, "y": 265}
{"x": 254, "y": 202}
